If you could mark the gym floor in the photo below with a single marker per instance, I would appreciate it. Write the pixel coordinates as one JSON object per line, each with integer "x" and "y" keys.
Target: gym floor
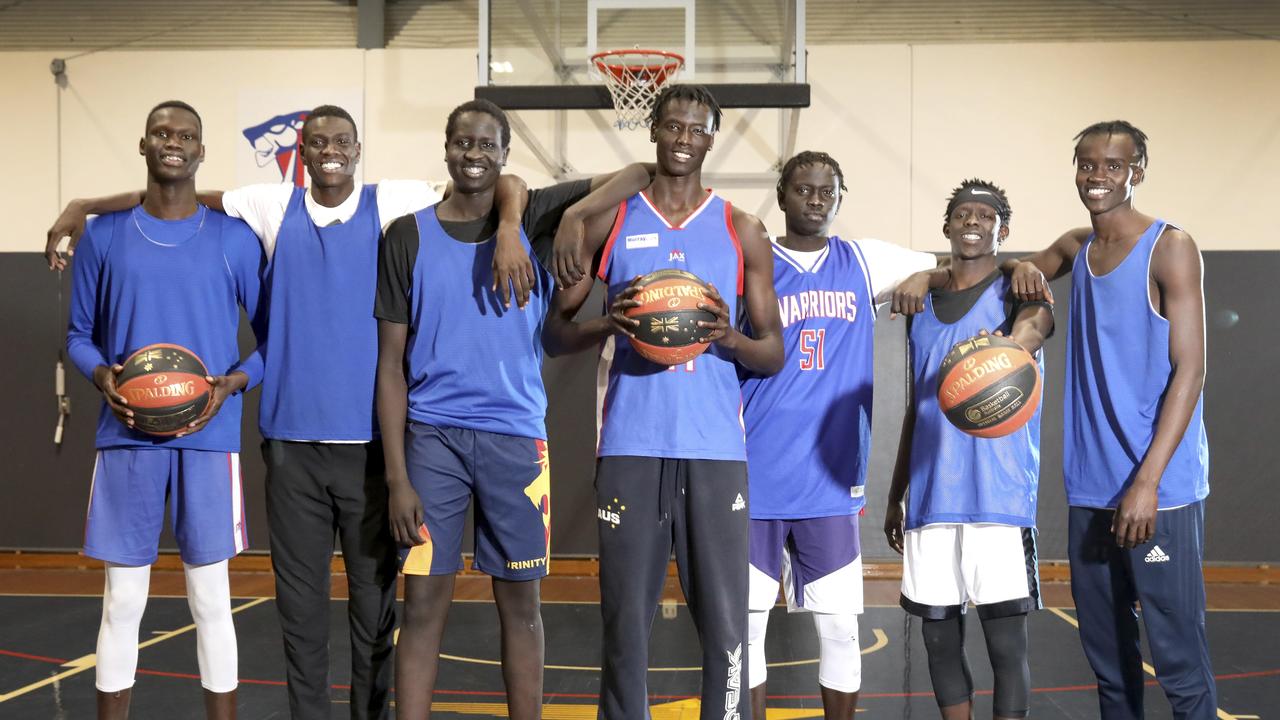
{"x": 49, "y": 619}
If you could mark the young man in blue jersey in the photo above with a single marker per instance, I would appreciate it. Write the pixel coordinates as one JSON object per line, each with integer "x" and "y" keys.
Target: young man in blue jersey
{"x": 462, "y": 406}
{"x": 322, "y": 450}
{"x": 169, "y": 271}
{"x": 804, "y": 505}
{"x": 968, "y": 531}
{"x": 1135, "y": 453}
{"x": 672, "y": 458}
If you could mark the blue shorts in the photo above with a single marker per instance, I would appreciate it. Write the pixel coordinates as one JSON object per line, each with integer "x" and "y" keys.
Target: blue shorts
{"x": 818, "y": 560}
{"x": 127, "y": 500}
{"x": 510, "y": 478}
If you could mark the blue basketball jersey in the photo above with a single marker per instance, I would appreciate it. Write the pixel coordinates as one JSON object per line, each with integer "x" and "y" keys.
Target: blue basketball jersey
{"x": 1118, "y": 369}
{"x": 140, "y": 280}
{"x": 690, "y": 411}
{"x": 321, "y": 358}
{"x": 472, "y": 363}
{"x": 809, "y": 426}
{"x": 958, "y": 478}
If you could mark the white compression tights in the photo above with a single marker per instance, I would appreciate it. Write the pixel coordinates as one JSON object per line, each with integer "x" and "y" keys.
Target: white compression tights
{"x": 839, "y": 657}
{"x": 125, "y": 598}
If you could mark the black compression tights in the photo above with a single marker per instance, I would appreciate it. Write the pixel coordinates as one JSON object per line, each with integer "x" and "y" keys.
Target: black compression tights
{"x": 1007, "y": 647}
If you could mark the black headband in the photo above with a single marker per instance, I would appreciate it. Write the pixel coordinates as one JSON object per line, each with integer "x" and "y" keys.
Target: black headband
{"x": 977, "y": 194}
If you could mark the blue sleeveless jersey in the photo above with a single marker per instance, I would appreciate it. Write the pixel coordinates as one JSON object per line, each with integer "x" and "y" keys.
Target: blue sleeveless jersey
{"x": 1118, "y": 369}
{"x": 958, "y": 478}
{"x": 321, "y": 355}
{"x": 809, "y": 426}
{"x": 139, "y": 280}
{"x": 691, "y": 411}
{"x": 471, "y": 362}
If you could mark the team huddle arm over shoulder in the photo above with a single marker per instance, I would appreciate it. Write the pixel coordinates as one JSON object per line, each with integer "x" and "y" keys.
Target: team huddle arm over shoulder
{"x": 1178, "y": 271}
{"x": 570, "y": 261}
{"x": 1031, "y": 275}
{"x": 762, "y": 351}
{"x": 512, "y": 268}
{"x": 71, "y": 222}
{"x": 562, "y": 335}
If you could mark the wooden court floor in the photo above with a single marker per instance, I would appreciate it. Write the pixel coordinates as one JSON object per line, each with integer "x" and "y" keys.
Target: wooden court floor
{"x": 49, "y": 611}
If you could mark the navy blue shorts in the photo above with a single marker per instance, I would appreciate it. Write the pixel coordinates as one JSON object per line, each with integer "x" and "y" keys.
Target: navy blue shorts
{"x": 510, "y": 479}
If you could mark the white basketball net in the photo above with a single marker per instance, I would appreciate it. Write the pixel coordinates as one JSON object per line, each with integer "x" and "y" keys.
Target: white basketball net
{"x": 634, "y": 78}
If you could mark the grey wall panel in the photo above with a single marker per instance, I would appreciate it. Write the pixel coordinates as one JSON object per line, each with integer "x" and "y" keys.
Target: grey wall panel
{"x": 43, "y": 493}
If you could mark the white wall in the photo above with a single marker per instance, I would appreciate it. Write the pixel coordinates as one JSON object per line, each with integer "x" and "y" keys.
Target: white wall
{"x": 906, "y": 122}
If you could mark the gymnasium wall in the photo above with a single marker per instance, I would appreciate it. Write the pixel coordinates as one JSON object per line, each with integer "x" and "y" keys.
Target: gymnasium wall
{"x": 907, "y": 123}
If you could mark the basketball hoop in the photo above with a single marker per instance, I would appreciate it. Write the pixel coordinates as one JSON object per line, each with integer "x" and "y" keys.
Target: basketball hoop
{"x": 634, "y": 78}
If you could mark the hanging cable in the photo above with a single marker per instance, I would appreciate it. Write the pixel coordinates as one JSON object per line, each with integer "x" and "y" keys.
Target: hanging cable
{"x": 59, "y": 69}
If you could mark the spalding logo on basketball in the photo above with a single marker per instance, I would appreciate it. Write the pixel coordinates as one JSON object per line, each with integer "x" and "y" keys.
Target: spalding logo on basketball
{"x": 165, "y": 387}
{"x": 669, "y": 316}
{"x": 988, "y": 386}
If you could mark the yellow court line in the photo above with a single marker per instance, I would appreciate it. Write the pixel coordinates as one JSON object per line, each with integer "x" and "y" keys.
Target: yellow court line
{"x": 1222, "y": 714}
{"x": 87, "y": 662}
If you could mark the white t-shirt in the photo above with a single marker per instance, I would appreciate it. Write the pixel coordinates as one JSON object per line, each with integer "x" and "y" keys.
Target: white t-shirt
{"x": 262, "y": 206}
{"x": 887, "y": 264}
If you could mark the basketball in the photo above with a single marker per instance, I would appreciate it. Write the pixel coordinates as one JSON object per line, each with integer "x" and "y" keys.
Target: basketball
{"x": 669, "y": 316}
{"x": 165, "y": 387}
{"x": 988, "y": 386}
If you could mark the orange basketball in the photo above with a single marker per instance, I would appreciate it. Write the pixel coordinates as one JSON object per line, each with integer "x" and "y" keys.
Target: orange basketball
{"x": 165, "y": 387}
{"x": 669, "y": 316}
{"x": 988, "y": 386}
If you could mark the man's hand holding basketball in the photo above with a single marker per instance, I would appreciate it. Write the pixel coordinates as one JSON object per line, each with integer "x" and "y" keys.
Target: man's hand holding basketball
{"x": 1134, "y": 522}
{"x": 405, "y": 510}
{"x": 105, "y": 378}
{"x": 720, "y": 328}
{"x": 512, "y": 267}
{"x": 622, "y": 302}
{"x": 220, "y": 388}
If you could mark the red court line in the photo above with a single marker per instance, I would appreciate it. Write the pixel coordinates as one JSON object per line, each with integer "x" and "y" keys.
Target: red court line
{"x": 25, "y": 656}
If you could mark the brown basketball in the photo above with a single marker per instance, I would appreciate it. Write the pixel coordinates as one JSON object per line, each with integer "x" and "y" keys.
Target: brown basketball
{"x": 669, "y": 316}
{"x": 988, "y": 386}
{"x": 165, "y": 387}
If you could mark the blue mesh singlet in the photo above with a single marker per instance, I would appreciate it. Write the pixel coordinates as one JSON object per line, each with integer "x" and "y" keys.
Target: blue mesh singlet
{"x": 691, "y": 411}
{"x": 1118, "y": 369}
{"x": 958, "y": 478}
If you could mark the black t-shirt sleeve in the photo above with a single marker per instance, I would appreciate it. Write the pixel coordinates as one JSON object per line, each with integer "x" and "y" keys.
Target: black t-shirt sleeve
{"x": 543, "y": 212}
{"x": 397, "y": 255}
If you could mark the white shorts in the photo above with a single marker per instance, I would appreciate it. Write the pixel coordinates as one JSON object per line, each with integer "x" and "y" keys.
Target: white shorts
{"x": 817, "y": 560}
{"x": 947, "y": 565}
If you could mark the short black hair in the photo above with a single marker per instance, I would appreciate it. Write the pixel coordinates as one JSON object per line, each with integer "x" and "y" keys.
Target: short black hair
{"x": 331, "y": 111}
{"x": 694, "y": 93}
{"x": 482, "y": 106}
{"x": 1004, "y": 211}
{"x": 806, "y": 158}
{"x": 1114, "y": 127}
{"x": 179, "y": 105}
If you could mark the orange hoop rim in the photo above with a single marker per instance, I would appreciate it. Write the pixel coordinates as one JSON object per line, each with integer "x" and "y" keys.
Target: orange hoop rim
{"x": 673, "y": 60}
